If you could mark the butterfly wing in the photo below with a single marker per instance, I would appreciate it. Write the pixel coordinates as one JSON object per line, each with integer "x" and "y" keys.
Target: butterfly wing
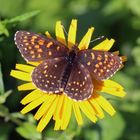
{"x": 79, "y": 85}
{"x": 34, "y": 47}
{"x": 101, "y": 64}
{"x": 47, "y": 75}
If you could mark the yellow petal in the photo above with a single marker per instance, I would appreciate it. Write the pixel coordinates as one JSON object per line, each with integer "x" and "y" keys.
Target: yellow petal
{"x": 57, "y": 124}
{"x": 32, "y": 96}
{"x": 25, "y": 68}
{"x": 88, "y": 111}
{"x": 113, "y": 84}
{"x": 67, "y": 109}
{"x": 86, "y": 39}
{"x": 48, "y": 34}
{"x": 27, "y": 86}
{"x": 104, "y": 104}
{"x": 110, "y": 87}
{"x": 77, "y": 113}
{"x": 20, "y": 75}
{"x": 105, "y": 45}
{"x": 112, "y": 91}
{"x": 34, "y": 104}
{"x": 46, "y": 117}
{"x": 99, "y": 112}
{"x": 101, "y": 45}
{"x": 60, "y": 32}
{"x": 109, "y": 44}
{"x": 33, "y": 63}
{"x": 45, "y": 106}
{"x": 57, "y": 113}
{"x": 72, "y": 33}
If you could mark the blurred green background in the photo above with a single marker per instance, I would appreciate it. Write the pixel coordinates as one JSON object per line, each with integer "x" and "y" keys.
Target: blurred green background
{"x": 118, "y": 19}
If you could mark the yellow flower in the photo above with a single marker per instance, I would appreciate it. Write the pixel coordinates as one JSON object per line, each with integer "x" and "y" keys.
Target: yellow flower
{"x": 60, "y": 107}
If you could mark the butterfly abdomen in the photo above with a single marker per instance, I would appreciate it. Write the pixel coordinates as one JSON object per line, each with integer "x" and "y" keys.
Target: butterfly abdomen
{"x": 70, "y": 61}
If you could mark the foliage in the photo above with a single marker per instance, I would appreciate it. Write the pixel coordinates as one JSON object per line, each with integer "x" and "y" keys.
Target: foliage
{"x": 118, "y": 19}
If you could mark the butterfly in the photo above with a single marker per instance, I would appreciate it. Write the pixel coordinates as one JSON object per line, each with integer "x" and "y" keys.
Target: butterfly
{"x": 64, "y": 70}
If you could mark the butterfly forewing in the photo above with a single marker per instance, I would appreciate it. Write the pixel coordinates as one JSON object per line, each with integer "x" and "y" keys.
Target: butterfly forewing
{"x": 47, "y": 75}
{"x": 101, "y": 64}
{"x": 34, "y": 47}
{"x": 79, "y": 85}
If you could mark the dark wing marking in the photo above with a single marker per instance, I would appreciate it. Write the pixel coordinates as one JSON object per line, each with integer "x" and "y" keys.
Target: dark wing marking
{"x": 34, "y": 47}
{"x": 101, "y": 64}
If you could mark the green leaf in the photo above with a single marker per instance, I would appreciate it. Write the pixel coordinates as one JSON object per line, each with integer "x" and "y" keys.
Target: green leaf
{"x": 3, "y": 29}
{"x": 134, "y": 6}
{"x": 124, "y": 80}
{"x": 72, "y": 131}
{"x": 114, "y": 6}
{"x": 5, "y": 129}
{"x": 3, "y": 110}
{"x": 30, "y": 118}
{"x": 135, "y": 21}
{"x": 4, "y": 96}
{"x": 92, "y": 134}
{"x": 28, "y": 131}
{"x": 1, "y": 82}
{"x": 22, "y": 17}
{"x": 133, "y": 71}
{"x": 112, "y": 127}
{"x": 138, "y": 40}
{"x": 136, "y": 55}
{"x": 131, "y": 102}
{"x": 17, "y": 115}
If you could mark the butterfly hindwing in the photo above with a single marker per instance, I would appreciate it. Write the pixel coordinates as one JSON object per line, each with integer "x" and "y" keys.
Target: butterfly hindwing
{"x": 79, "y": 85}
{"x": 35, "y": 47}
{"x": 101, "y": 64}
{"x": 47, "y": 75}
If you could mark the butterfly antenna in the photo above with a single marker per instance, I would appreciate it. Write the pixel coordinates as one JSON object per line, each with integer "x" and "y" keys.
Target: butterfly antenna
{"x": 64, "y": 29}
{"x": 98, "y": 38}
